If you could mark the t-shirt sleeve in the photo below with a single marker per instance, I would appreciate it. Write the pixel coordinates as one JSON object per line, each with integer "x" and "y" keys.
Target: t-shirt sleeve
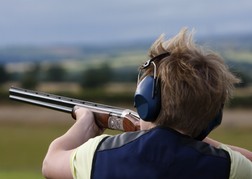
{"x": 82, "y": 158}
{"x": 241, "y": 167}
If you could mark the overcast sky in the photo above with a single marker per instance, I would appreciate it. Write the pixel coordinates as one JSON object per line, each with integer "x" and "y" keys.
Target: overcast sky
{"x": 28, "y": 22}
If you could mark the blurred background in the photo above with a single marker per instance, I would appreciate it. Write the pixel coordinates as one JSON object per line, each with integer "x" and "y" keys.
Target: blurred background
{"x": 91, "y": 50}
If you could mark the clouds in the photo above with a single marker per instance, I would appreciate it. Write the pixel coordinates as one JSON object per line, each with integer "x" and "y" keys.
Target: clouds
{"x": 96, "y": 21}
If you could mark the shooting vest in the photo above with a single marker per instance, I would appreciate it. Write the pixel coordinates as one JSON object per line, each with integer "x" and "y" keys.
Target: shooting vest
{"x": 158, "y": 153}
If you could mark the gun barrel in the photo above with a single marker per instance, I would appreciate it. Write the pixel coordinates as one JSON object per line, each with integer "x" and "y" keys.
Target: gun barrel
{"x": 56, "y": 102}
{"x": 109, "y": 116}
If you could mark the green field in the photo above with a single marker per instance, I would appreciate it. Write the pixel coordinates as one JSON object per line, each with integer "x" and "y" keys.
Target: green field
{"x": 23, "y": 145}
{"x": 22, "y": 148}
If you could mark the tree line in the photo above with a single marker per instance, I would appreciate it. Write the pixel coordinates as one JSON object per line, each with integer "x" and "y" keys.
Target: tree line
{"x": 92, "y": 77}
{"x": 96, "y": 78}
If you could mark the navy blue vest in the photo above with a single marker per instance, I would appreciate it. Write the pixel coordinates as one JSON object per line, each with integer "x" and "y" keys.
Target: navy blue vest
{"x": 158, "y": 153}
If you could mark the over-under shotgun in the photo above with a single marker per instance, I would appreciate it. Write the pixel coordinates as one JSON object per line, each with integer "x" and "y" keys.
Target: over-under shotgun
{"x": 106, "y": 116}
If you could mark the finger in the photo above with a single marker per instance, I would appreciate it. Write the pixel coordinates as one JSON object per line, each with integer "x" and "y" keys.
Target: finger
{"x": 73, "y": 113}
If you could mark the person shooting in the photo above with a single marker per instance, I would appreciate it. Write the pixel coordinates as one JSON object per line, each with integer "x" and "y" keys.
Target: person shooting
{"x": 180, "y": 96}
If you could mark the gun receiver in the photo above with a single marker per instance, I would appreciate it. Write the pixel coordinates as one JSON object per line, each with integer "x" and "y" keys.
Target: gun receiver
{"x": 106, "y": 116}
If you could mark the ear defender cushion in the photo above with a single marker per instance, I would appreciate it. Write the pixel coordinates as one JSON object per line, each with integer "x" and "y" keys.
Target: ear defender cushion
{"x": 147, "y": 99}
{"x": 213, "y": 124}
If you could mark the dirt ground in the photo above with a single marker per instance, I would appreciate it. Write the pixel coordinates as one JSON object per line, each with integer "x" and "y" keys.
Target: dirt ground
{"x": 35, "y": 114}
{"x": 237, "y": 117}
{"x": 29, "y": 113}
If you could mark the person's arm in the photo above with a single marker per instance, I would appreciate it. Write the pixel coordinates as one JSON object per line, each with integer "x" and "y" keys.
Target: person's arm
{"x": 244, "y": 152}
{"x": 57, "y": 160}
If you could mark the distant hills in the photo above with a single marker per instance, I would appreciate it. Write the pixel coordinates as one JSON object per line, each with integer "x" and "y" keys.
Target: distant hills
{"x": 84, "y": 52}
{"x": 54, "y": 53}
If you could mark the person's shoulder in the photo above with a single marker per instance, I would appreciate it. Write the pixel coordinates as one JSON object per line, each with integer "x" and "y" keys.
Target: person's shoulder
{"x": 208, "y": 149}
{"x": 155, "y": 134}
{"x": 120, "y": 140}
{"x": 241, "y": 167}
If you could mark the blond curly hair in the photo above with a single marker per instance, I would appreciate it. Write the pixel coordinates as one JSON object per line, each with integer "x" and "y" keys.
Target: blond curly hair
{"x": 195, "y": 83}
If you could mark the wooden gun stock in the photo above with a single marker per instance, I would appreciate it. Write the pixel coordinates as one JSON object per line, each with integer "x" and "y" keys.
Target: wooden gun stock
{"x": 106, "y": 116}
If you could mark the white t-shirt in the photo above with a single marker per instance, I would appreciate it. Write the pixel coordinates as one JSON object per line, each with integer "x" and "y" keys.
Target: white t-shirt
{"x": 82, "y": 158}
{"x": 241, "y": 167}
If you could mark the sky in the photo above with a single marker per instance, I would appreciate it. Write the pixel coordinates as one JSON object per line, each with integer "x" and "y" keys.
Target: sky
{"x": 43, "y": 22}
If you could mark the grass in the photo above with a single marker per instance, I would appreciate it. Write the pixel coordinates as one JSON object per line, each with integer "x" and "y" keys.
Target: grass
{"x": 23, "y": 145}
{"x": 20, "y": 174}
{"x": 234, "y": 136}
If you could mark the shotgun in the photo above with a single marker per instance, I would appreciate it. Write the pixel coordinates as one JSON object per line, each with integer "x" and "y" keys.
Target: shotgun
{"x": 106, "y": 116}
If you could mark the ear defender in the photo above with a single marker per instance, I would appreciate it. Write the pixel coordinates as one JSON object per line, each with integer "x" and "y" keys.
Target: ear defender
{"x": 147, "y": 99}
{"x": 212, "y": 125}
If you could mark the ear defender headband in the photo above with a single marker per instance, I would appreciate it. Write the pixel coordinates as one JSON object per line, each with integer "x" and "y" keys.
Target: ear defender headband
{"x": 147, "y": 97}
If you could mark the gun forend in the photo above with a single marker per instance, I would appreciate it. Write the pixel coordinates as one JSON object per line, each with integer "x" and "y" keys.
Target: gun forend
{"x": 108, "y": 116}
